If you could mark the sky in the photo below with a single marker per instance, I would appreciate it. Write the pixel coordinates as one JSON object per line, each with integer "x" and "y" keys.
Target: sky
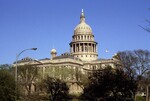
{"x": 47, "y": 24}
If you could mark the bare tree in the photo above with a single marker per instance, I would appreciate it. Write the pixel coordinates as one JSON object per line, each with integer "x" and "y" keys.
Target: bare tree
{"x": 142, "y": 63}
{"x": 147, "y": 28}
{"x": 27, "y": 76}
{"x": 137, "y": 64}
{"x": 127, "y": 60}
{"x": 137, "y": 61}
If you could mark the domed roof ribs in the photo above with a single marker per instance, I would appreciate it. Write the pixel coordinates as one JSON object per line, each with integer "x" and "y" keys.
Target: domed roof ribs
{"x": 82, "y": 17}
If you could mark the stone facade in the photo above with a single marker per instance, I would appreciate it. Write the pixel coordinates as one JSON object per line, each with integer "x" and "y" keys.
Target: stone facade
{"x": 74, "y": 66}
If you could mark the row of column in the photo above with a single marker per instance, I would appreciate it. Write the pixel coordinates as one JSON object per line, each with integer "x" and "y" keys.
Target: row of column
{"x": 83, "y": 37}
{"x": 83, "y": 47}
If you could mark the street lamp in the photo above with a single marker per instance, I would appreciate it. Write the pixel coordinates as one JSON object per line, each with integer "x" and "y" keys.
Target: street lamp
{"x": 16, "y": 70}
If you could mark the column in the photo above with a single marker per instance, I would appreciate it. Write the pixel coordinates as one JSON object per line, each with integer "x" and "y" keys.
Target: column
{"x": 93, "y": 47}
{"x": 87, "y": 47}
{"x": 80, "y": 37}
{"x": 80, "y": 46}
{"x": 71, "y": 48}
{"x": 75, "y": 47}
{"x": 83, "y": 47}
{"x": 96, "y": 48}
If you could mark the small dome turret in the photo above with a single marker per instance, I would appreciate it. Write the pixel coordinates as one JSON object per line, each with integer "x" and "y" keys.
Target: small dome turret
{"x": 53, "y": 53}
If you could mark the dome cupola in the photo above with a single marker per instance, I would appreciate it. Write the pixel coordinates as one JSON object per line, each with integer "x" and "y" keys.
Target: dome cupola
{"x": 82, "y": 27}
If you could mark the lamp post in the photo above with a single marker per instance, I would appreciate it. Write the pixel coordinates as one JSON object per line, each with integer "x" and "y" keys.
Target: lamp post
{"x": 147, "y": 92}
{"x": 16, "y": 69}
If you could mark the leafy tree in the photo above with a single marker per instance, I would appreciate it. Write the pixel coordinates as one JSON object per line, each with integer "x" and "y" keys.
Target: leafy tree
{"x": 7, "y": 86}
{"x": 110, "y": 84}
{"x": 56, "y": 89}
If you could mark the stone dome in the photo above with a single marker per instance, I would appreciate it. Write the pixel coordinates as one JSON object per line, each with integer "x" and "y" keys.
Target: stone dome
{"x": 53, "y": 51}
{"x": 82, "y": 27}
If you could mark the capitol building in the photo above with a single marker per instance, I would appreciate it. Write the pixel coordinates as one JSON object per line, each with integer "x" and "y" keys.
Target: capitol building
{"x": 74, "y": 66}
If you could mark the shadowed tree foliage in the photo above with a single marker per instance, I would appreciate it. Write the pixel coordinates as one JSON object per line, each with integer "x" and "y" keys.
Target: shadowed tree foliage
{"x": 56, "y": 89}
{"x": 7, "y": 86}
{"x": 109, "y": 84}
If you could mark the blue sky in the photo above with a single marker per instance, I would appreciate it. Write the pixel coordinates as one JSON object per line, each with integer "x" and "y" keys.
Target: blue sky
{"x": 48, "y": 24}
